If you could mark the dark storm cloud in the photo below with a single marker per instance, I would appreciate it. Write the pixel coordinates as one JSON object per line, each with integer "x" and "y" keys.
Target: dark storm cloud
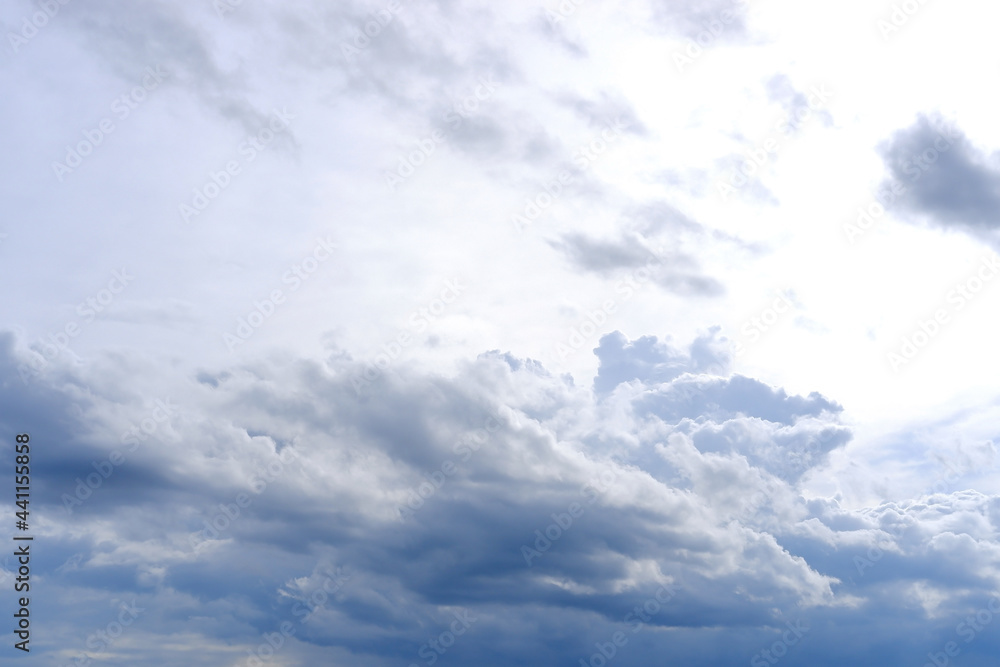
{"x": 429, "y": 491}
{"x": 461, "y": 546}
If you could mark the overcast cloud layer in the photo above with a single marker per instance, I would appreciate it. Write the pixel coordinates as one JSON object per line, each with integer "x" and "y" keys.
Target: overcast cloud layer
{"x": 465, "y": 333}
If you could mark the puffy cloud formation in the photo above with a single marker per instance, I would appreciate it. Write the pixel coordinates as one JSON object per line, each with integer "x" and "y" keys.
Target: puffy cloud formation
{"x": 303, "y": 300}
{"x": 937, "y": 174}
{"x": 501, "y": 515}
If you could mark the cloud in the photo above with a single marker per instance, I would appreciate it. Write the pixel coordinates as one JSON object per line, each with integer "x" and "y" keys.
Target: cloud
{"x": 688, "y": 20}
{"x": 944, "y": 178}
{"x": 780, "y": 89}
{"x": 430, "y": 490}
{"x": 232, "y": 496}
{"x": 604, "y": 256}
{"x": 607, "y": 105}
{"x": 656, "y": 241}
{"x": 649, "y": 360}
{"x": 131, "y": 37}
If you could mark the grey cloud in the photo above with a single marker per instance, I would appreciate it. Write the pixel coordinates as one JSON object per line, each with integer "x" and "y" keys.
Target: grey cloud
{"x": 604, "y": 257}
{"x": 691, "y": 284}
{"x": 660, "y": 217}
{"x": 210, "y": 379}
{"x": 649, "y": 360}
{"x": 730, "y": 166}
{"x": 639, "y": 248}
{"x": 796, "y": 103}
{"x": 690, "y": 19}
{"x": 481, "y": 516}
{"x": 664, "y": 223}
{"x": 607, "y": 106}
{"x": 477, "y": 136}
{"x": 723, "y": 398}
{"x": 945, "y": 179}
{"x": 133, "y": 36}
{"x": 557, "y": 33}
{"x": 787, "y": 452}
{"x": 691, "y": 447}
{"x": 398, "y": 63}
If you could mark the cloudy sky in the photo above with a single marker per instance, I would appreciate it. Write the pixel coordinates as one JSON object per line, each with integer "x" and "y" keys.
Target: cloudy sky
{"x": 464, "y": 333}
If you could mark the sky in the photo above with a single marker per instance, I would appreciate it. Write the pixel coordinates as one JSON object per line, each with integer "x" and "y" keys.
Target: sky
{"x": 532, "y": 333}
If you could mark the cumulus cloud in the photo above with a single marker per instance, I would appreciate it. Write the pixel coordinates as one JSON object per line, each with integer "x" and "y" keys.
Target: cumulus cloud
{"x": 500, "y": 491}
{"x": 649, "y": 360}
{"x": 463, "y": 506}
